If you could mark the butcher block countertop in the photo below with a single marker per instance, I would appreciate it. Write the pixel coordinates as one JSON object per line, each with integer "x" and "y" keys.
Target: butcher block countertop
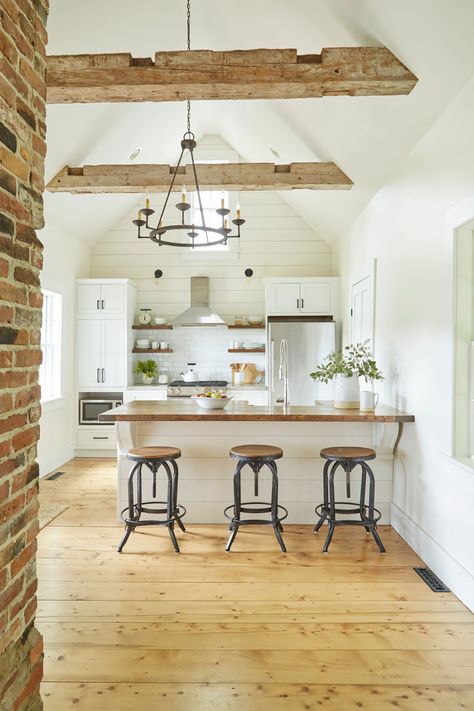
{"x": 162, "y": 410}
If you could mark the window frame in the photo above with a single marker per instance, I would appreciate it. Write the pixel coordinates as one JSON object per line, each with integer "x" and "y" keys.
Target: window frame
{"x": 215, "y": 154}
{"x": 51, "y": 347}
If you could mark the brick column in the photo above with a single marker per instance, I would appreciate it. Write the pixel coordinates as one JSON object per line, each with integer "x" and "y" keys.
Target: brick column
{"x": 22, "y": 151}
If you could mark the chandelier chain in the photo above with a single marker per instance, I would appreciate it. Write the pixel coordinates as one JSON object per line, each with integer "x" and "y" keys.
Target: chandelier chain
{"x": 188, "y": 28}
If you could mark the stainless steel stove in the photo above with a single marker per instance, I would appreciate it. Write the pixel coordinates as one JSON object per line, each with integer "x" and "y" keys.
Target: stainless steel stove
{"x": 178, "y": 389}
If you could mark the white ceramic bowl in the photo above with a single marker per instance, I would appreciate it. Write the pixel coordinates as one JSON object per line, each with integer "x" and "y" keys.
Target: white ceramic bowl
{"x": 254, "y": 320}
{"x": 159, "y": 321}
{"x": 252, "y": 344}
{"x": 212, "y": 403}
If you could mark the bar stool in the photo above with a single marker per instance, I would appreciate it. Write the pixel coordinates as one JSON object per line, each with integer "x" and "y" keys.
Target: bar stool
{"x": 255, "y": 456}
{"x": 348, "y": 458}
{"x": 153, "y": 458}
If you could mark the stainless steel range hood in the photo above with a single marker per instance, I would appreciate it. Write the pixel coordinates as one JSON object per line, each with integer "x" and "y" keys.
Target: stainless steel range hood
{"x": 199, "y": 313}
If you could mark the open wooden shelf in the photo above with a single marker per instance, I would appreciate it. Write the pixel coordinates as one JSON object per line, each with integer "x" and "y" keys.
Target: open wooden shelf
{"x": 262, "y": 328}
{"x": 151, "y": 350}
{"x": 152, "y": 327}
{"x": 246, "y": 350}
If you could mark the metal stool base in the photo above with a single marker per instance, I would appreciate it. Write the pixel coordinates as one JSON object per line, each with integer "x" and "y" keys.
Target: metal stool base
{"x": 173, "y": 512}
{"x": 327, "y": 511}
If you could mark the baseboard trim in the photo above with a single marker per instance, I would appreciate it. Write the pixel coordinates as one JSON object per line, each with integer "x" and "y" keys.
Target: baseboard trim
{"x": 56, "y": 459}
{"x": 441, "y": 562}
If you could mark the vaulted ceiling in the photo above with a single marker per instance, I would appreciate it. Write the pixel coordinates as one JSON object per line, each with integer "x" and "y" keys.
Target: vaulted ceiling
{"x": 367, "y": 137}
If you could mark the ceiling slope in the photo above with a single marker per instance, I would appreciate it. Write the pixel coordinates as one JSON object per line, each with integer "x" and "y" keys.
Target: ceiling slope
{"x": 367, "y": 137}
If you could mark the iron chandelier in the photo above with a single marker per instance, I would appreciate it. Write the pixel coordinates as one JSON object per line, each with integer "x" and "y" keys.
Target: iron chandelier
{"x": 219, "y": 235}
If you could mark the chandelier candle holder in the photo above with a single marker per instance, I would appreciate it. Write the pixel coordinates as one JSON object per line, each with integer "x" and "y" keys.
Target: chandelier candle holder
{"x": 158, "y": 233}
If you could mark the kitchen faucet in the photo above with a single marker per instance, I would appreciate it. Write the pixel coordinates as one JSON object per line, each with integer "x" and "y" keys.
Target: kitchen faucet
{"x": 283, "y": 372}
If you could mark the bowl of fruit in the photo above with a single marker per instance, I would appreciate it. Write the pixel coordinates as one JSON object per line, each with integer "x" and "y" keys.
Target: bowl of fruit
{"x": 212, "y": 400}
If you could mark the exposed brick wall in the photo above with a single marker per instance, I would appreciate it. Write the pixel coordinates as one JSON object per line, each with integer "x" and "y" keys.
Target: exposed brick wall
{"x": 22, "y": 151}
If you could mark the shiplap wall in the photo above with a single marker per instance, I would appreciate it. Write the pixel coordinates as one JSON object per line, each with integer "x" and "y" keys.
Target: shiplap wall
{"x": 275, "y": 241}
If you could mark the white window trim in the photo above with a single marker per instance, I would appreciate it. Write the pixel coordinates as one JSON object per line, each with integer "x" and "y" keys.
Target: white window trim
{"x": 204, "y": 254}
{"x": 52, "y": 402}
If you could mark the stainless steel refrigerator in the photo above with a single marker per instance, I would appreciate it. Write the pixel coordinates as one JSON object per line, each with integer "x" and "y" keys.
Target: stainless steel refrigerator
{"x": 309, "y": 341}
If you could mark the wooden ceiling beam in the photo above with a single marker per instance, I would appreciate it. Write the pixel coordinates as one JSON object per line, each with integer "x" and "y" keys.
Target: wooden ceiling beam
{"x": 237, "y": 74}
{"x": 148, "y": 178}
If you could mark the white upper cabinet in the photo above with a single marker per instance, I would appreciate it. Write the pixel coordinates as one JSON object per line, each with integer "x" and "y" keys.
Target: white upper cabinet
{"x": 101, "y": 299}
{"x": 305, "y": 296}
{"x": 282, "y": 298}
{"x": 105, "y": 310}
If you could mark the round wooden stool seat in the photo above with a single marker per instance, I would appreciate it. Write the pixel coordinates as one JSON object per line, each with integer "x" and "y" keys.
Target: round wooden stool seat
{"x": 343, "y": 454}
{"x": 256, "y": 452}
{"x": 153, "y": 453}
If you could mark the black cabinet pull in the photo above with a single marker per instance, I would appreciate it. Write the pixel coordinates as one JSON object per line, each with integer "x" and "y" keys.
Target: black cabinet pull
{"x": 98, "y": 376}
{"x": 100, "y": 438}
{"x": 102, "y": 302}
{"x": 103, "y": 375}
{"x": 297, "y": 303}
{"x": 98, "y": 303}
{"x": 302, "y": 303}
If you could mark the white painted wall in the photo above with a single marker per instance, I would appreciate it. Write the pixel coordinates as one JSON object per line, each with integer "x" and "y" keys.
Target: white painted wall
{"x": 65, "y": 259}
{"x": 405, "y": 229}
{"x": 275, "y": 241}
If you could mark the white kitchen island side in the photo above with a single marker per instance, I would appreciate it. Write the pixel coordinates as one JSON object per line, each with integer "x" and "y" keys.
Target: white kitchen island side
{"x": 205, "y": 437}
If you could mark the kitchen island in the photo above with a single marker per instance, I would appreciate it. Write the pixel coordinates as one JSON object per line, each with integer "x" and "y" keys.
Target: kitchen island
{"x": 205, "y": 437}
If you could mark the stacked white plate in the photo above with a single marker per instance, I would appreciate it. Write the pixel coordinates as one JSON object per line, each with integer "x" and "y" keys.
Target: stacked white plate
{"x": 142, "y": 343}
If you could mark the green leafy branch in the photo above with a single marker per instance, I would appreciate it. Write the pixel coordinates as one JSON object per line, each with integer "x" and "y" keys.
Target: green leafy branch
{"x": 356, "y": 359}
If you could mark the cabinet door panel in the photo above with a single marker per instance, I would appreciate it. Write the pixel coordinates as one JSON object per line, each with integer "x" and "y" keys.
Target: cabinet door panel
{"x": 283, "y": 298}
{"x": 316, "y": 298}
{"x": 113, "y": 340}
{"x": 112, "y": 299}
{"x": 88, "y": 352}
{"x": 88, "y": 300}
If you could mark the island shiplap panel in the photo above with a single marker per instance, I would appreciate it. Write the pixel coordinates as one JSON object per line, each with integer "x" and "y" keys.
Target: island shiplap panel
{"x": 275, "y": 242}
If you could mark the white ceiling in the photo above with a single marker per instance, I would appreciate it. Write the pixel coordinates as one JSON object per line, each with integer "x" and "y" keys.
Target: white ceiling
{"x": 367, "y": 137}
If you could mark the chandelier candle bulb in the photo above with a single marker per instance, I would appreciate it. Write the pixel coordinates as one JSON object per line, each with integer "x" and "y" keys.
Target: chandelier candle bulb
{"x": 237, "y": 210}
{"x": 222, "y": 200}
{"x": 147, "y": 203}
{"x": 183, "y": 193}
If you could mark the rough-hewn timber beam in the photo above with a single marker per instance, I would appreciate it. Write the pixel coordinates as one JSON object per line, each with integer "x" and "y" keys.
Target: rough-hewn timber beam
{"x": 212, "y": 176}
{"x": 238, "y": 74}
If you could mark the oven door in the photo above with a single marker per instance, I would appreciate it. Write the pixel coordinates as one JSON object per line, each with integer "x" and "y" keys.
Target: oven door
{"x": 89, "y": 410}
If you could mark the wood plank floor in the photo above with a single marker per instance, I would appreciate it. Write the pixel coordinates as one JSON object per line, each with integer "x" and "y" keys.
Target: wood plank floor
{"x": 253, "y": 630}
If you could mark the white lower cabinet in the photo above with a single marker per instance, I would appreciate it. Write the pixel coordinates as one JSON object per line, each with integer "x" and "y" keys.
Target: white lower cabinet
{"x": 149, "y": 394}
{"x": 103, "y": 437}
{"x": 253, "y": 397}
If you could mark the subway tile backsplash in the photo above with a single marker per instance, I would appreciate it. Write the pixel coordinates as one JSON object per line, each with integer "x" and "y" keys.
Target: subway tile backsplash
{"x": 207, "y": 347}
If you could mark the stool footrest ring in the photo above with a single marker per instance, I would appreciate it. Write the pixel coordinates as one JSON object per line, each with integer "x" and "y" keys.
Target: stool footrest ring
{"x": 249, "y": 509}
{"x": 179, "y": 513}
{"x": 361, "y": 511}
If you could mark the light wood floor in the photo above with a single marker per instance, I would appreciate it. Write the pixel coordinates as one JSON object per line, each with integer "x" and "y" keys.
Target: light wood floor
{"x": 253, "y": 630}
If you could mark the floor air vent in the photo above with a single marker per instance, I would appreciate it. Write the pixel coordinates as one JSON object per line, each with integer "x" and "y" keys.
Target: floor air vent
{"x": 56, "y": 475}
{"x": 431, "y": 580}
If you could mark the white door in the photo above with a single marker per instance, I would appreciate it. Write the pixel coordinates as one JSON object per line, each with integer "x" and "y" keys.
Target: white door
{"x": 362, "y": 311}
{"x": 112, "y": 299}
{"x": 88, "y": 352}
{"x": 113, "y": 345}
{"x": 283, "y": 298}
{"x": 316, "y": 298}
{"x": 88, "y": 299}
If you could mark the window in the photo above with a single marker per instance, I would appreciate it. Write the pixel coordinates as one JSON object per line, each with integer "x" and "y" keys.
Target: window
{"x": 50, "y": 369}
{"x": 211, "y": 201}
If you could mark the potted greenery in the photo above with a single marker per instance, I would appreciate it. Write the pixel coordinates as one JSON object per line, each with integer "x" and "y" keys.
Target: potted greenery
{"x": 345, "y": 368}
{"x": 148, "y": 370}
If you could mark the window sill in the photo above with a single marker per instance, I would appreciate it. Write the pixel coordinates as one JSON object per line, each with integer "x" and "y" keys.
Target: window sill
{"x": 462, "y": 462}
{"x": 54, "y": 404}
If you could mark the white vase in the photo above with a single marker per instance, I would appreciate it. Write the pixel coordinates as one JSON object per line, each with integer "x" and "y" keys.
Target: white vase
{"x": 147, "y": 379}
{"x": 346, "y": 392}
